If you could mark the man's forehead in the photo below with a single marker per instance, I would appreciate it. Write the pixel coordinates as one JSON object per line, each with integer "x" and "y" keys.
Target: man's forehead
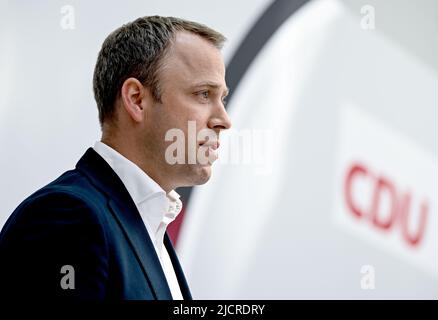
{"x": 190, "y": 55}
{"x": 185, "y": 41}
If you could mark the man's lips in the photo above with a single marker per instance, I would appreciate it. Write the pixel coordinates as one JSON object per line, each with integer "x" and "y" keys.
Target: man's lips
{"x": 212, "y": 144}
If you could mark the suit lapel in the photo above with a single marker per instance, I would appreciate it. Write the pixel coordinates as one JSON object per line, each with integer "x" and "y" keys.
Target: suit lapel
{"x": 177, "y": 267}
{"x": 125, "y": 212}
{"x": 137, "y": 234}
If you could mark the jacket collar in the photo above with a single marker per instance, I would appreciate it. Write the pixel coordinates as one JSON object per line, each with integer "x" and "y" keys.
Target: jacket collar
{"x": 125, "y": 212}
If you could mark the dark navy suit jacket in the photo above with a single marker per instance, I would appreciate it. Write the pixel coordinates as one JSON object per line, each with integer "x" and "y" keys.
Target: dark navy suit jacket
{"x": 85, "y": 219}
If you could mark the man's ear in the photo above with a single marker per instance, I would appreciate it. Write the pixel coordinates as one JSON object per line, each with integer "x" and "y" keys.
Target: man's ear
{"x": 135, "y": 98}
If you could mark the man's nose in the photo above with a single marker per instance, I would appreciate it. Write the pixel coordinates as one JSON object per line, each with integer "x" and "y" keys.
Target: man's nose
{"x": 220, "y": 119}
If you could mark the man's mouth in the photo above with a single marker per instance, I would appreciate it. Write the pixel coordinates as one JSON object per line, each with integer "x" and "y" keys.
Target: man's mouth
{"x": 211, "y": 144}
{"x": 211, "y": 149}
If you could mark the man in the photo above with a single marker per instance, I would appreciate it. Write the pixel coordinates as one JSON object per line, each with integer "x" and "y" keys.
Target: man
{"x": 99, "y": 231}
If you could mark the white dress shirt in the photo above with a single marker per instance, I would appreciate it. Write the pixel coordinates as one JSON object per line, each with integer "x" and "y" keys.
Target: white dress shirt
{"x": 156, "y": 208}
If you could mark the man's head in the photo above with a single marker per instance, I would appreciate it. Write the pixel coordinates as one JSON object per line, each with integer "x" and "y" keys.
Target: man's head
{"x": 156, "y": 74}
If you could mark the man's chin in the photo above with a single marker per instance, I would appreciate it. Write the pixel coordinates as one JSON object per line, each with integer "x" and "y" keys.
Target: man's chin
{"x": 199, "y": 174}
{"x": 203, "y": 174}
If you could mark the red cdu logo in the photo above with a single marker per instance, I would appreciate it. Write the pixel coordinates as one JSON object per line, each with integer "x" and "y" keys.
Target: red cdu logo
{"x": 385, "y": 185}
{"x": 397, "y": 215}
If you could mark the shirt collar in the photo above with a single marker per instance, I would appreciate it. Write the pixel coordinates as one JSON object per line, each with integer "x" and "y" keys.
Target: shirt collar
{"x": 142, "y": 189}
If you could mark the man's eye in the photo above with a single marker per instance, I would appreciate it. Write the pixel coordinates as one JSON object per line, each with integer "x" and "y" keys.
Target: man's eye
{"x": 204, "y": 94}
{"x": 224, "y": 101}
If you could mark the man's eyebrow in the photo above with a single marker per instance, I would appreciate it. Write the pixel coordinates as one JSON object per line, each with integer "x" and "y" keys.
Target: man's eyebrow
{"x": 211, "y": 85}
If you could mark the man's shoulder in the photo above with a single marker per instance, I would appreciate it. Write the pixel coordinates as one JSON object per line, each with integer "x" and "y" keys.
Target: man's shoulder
{"x": 70, "y": 200}
{"x": 70, "y": 185}
{"x": 72, "y": 191}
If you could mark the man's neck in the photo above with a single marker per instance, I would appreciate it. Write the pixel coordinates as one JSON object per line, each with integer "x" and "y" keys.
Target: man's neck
{"x": 126, "y": 149}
